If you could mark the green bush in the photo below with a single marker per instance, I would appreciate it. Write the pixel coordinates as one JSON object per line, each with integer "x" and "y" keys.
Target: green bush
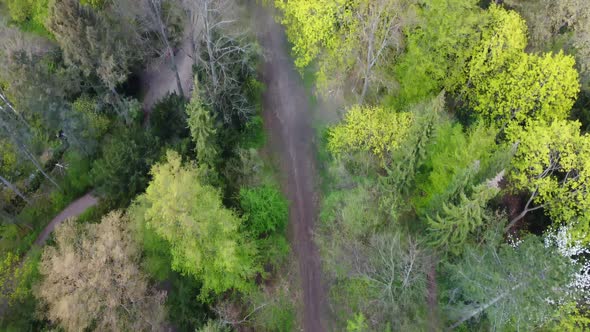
{"x": 123, "y": 169}
{"x": 278, "y": 314}
{"x": 168, "y": 119}
{"x": 253, "y": 136}
{"x": 273, "y": 250}
{"x": 265, "y": 209}
{"x": 77, "y": 180}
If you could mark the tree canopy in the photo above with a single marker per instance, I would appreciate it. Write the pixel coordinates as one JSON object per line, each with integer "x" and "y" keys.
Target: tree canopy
{"x": 204, "y": 236}
{"x": 91, "y": 279}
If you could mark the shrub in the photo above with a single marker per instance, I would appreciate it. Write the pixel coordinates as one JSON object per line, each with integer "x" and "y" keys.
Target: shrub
{"x": 266, "y": 210}
{"x": 168, "y": 119}
{"x": 123, "y": 169}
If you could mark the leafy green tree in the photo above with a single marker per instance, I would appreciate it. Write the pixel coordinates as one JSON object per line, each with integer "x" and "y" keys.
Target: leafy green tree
{"x": 312, "y": 25}
{"x": 456, "y": 160}
{"x": 371, "y": 129}
{"x": 201, "y": 124}
{"x": 452, "y": 228}
{"x": 513, "y": 285}
{"x": 559, "y": 24}
{"x": 399, "y": 181}
{"x": 357, "y": 324}
{"x": 438, "y": 49}
{"x": 353, "y": 40}
{"x": 507, "y": 85}
{"x": 99, "y": 45}
{"x": 17, "y": 274}
{"x": 122, "y": 171}
{"x": 551, "y": 163}
{"x": 266, "y": 210}
{"x": 30, "y": 15}
{"x": 204, "y": 237}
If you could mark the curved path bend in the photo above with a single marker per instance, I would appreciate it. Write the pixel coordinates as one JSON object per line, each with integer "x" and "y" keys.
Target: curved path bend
{"x": 288, "y": 121}
{"x": 73, "y": 210}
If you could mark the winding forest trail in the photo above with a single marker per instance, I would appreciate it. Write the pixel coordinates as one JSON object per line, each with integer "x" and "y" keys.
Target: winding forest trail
{"x": 76, "y": 208}
{"x": 288, "y": 121}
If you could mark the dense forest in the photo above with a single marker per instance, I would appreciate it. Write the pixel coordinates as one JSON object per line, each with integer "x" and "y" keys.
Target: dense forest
{"x": 294, "y": 165}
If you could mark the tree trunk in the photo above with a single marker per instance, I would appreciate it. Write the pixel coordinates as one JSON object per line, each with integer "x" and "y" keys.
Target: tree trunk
{"x": 209, "y": 49}
{"x": 28, "y": 154}
{"x": 367, "y": 68}
{"x": 479, "y": 310}
{"x": 11, "y": 220}
{"x": 524, "y": 211}
{"x": 156, "y": 9}
{"x": 40, "y": 168}
{"x": 14, "y": 188}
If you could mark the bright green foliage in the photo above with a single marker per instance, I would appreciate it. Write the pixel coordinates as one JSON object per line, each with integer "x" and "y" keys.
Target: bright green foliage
{"x": 357, "y": 324}
{"x": 455, "y": 161}
{"x": 438, "y": 49}
{"x": 372, "y": 129}
{"x": 29, "y": 13}
{"x": 312, "y": 26}
{"x": 202, "y": 127}
{"x": 265, "y": 208}
{"x": 570, "y": 319}
{"x": 204, "y": 237}
{"x": 16, "y": 277}
{"x": 559, "y": 24}
{"x": 405, "y": 162}
{"x": 352, "y": 40}
{"x": 8, "y": 157}
{"x": 553, "y": 163}
{"x": 507, "y": 85}
{"x": 97, "y": 124}
{"x": 512, "y": 285}
{"x": 454, "y": 226}
{"x": 276, "y": 308}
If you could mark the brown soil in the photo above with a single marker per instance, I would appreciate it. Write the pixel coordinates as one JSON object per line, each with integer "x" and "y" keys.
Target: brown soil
{"x": 158, "y": 79}
{"x": 73, "y": 210}
{"x": 287, "y": 120}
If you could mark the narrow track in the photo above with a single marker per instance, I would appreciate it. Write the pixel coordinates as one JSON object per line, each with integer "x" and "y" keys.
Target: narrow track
{"x": 73, "y": 210}
{"x": 288, "y": 120}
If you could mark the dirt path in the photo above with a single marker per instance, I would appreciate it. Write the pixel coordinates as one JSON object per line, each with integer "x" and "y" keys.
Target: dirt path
{"x": 158, "y": 79}
{"x": 287, "y": 119}
{"x": 76, "y": 208}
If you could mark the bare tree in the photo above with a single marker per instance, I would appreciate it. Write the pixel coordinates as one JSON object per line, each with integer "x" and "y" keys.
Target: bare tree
{"x": 12, "y": 123}
{"x": 12, "y": 187}
{"x": 93, "y": 271}
{"x": 157, "y": 19}
{"x": 380, "y": 31}
{"x": 224, "y": 53}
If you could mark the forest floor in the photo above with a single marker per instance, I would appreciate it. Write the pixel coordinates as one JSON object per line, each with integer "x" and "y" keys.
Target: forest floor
{"x": 158, "y": 79}
{"x": 287, "y": 118}
{"x": 73, "y": 210}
